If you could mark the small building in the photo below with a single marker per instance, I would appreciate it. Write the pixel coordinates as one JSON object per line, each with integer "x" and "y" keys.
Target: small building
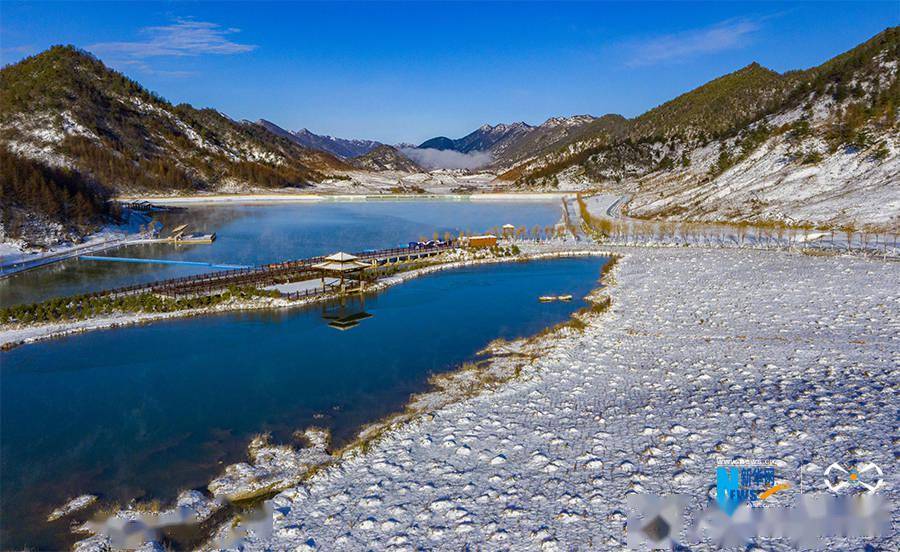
{"x": 344, "y": 266}
{"x": 508, "y": 230}
{"x": 486, "y": 240}
{"x": 179, "y": 235}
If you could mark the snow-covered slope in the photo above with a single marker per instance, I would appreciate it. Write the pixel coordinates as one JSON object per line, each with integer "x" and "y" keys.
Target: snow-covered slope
{"x": 847, "y": 186}
{"x": 819, "y": 146}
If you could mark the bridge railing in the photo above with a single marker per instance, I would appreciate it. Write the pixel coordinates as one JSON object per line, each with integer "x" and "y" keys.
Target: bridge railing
{"x": 221, "y": 279}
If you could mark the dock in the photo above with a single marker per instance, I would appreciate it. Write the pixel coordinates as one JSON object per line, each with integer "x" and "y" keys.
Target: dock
{"x": 180, "y": 235}
{"x": 145, "y": 206}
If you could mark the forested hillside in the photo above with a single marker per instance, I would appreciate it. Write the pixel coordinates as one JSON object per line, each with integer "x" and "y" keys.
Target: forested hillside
{"x": 65, "y": 108}
{"x": 33, "y": 196}
{"x": 75, "y": 131}
{"x": 819, "y": 145}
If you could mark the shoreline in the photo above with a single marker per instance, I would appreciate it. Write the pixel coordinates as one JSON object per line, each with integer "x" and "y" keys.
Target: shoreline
{"x": 458, "y": 394}
{"x": 504, "y": 362}
{"x": 606, "y": 412}
{"x": 269, "y": 198}
{"x": 39, "y": 260}
{"x": 25, "y": 262}
{"x": 11, "y": 338}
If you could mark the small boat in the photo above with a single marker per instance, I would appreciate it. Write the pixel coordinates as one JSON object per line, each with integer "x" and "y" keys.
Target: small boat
{"x": 550, "y": 298}
{"x": 197, "y": 238}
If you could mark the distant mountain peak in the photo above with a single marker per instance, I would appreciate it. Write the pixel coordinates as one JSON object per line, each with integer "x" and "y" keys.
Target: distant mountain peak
{"x": 486, "y": 138}
{"x": 568, "y": 121}
{"x": 439, "y": 143}
{"x": 385, "y": 158}
{"x": 344, "y": 148}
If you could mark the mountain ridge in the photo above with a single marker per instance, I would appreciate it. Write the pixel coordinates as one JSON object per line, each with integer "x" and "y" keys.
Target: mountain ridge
{"x": 345, "y": 148}
{"x": 67, "y": 109}
{"x": 832, "y": 127}
{"x": 509, "y": 142}
{"x": 484, "y": 138}
{"x": 74, "y": 130}
{"x": 752, "y": 145}
{"x": 386, "y": 158}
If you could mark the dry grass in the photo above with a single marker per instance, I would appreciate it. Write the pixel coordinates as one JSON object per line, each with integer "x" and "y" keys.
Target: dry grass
{"x": 821, "y": 252}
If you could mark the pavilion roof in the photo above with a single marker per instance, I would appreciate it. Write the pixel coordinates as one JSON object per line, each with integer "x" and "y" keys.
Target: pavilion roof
{"x": 341, "y": 257}
{"x": 345, "y": 266}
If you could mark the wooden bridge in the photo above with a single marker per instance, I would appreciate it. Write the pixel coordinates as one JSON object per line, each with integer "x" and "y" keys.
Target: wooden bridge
{"x": 268, "y": 274}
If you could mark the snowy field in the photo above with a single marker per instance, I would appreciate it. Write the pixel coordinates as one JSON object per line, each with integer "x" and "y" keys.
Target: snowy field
{"x": 705, "y": 355}
{"x": 629, "y": 231}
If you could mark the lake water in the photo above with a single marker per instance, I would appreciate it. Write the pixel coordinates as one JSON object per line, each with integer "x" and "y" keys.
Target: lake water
{"x": 257, "y": 234}
{"x": 147, "y": 411}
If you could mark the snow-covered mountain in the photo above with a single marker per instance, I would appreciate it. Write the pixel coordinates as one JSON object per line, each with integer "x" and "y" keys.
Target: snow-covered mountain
{"x": 65, "y": 108}
{"x": 508, "y": 143}
{"x": 485, "y": 138}
{"x": 547, "y": 136}
{"x": 341, "y": 147}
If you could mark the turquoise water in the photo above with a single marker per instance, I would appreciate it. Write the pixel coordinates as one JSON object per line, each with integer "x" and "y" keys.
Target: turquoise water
{"x": 256, "y": 234}
{"x": 147, "y": 411}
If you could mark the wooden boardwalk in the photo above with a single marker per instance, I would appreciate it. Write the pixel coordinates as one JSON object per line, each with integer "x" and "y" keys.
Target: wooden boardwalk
{"x": 265, "y": 275}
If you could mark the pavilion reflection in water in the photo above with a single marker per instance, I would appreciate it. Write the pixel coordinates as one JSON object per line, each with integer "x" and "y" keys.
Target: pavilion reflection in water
{"x": 346, "y": 315}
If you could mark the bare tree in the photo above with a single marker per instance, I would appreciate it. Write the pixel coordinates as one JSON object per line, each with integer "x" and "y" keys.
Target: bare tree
{"x": 848, "y": 230}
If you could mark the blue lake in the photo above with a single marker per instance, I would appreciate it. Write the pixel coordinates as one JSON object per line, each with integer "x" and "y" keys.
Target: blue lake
{"x": 147, "y": 411}
{"x": 257, "y": 234}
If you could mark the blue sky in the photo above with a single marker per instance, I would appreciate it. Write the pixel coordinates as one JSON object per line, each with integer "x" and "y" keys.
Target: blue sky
{"x": 411, "y": 71}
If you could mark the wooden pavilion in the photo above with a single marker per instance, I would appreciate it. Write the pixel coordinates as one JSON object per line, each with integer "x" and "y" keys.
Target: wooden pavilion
{"x": 345, "y": 267}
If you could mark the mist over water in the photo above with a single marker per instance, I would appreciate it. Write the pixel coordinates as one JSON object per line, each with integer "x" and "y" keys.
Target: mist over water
{"x": 256, "y": 234}
{"x": 448, "y": 159}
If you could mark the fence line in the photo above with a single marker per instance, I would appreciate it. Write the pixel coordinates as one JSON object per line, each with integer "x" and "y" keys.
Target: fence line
{"x": 267, "y": 274}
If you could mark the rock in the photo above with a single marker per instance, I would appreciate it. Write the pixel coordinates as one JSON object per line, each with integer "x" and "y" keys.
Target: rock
{"x": 78, "y": 503}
